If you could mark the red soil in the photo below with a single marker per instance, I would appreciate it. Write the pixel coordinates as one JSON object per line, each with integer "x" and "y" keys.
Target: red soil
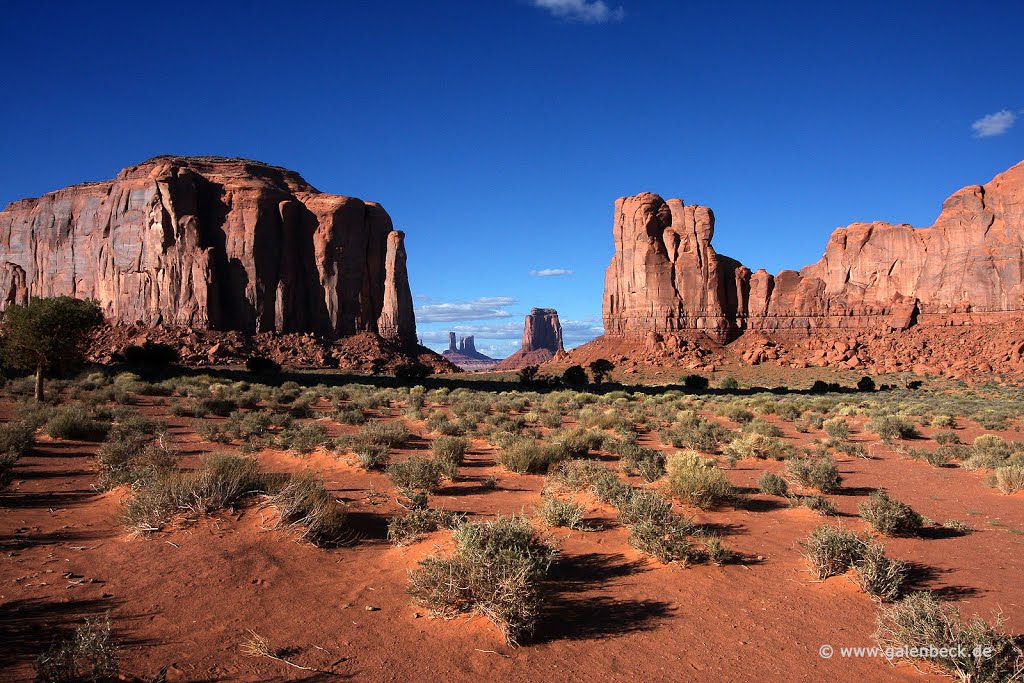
{"x": 186, "y": 599}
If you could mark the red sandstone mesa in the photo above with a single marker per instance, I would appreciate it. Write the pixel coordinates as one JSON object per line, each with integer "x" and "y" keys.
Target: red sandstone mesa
{"x": 968, "y": 267}
{"x": 213, "y": 244}
{"x": 542, "y": 340}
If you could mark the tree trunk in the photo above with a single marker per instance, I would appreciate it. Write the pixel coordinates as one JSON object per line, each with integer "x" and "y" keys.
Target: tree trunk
{"x": 39, "y": 382}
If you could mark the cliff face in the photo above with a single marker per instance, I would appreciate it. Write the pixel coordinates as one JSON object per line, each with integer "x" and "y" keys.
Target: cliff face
{"x": 969, "y": 266}
{"x": 212, "y": 243}
{"x": 542, "y": 340}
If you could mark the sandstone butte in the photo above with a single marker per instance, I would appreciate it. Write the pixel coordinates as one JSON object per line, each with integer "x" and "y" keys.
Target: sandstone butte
{"x": 465, "y": 355}
{"x": 883, "y": 297}
{"x": 211, "y": 243}
{"x": 542, "y": 340}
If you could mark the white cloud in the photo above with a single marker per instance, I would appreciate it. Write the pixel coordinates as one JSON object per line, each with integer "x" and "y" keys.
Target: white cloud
{"x": 501, "y": 339}
{"x": 587, "y": 11}
{"x": 551, "y": 272}
{"x": 994, "y": 124}
{"x": 483, "y": 308}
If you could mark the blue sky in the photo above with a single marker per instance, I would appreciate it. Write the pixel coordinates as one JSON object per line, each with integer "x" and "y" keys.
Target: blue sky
{"x": 499, "y": 133}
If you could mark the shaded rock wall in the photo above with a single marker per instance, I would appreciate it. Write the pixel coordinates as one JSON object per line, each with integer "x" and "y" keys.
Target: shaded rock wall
{"x": 212, "y": 243}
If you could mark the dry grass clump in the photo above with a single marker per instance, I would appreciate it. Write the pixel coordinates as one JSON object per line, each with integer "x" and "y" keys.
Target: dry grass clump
{"x": 1009, "y": 479}
{"x": 756, "y": 445}
{"x": 415, "y": 474}
{"x": 888, "y": 516}
{"x": 449, "y": 453}
{"x": 526, "y": 456}
{"x": 647, "y": 462}
{"x": 698, "y": 481}
{"x": 303, "y": 501}
{"x": 878, "y": 575}
{"x": 75, "y": 423}
{"x": 406, "y": 529}
{"x": 819, "y": 473}
{"x": 832, "y": 551}
{"x": 974, "y": 650}
{"x": 815, "y": 503}
{"x": 696, "y": 432}
{"x": 837, "y": 428}
{"x": 16, "y": 438}
{"x": 556, "y": 511}
{"x": 772, "y": 484}
{"x": 373, "y": 443}
{"x": 498, "y": 570}
{"x": 89, "y": 654}
{"x": 892, "y": 427}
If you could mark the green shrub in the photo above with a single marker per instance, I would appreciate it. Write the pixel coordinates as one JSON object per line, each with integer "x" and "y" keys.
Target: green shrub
{"x": 90, "y": 654}
{"x": 647, "y": 462}
{"x": 498, "y": 569}
{"x": 695, "y": 382}
{"x": 819, "y": 473}
{"x": 17, "y": 437}
{"x": 526, "y": 456}
{"x": 772, "y": 484}
{"x": 837, "y": 428}
{"x": 878, "y": 575}
{"x": 555, "y": 511}
{"x": 729, "y": 383}
{"x": 696, "y": 432}
{"x": 891, "y": 427}
{"x": 1009, "y": 478}
{"x": 754, "y": 445}
{"x": 352, "y": 415}
{"x": 989, "y": 451}
{"x": 390, "y": 434}
{"x": 414, "y": 474}
{"x": 74, "y": 423}
{"x": 449, "y": 452}
{"x": 832, "y": 551}
{"x": 974, "y": 650}
{"x": 889, "y": 516}
{"x": 816, "y": 503}
{"x": 667, "y": 540}
{"x": 407, "y": 529}
{"x": 944, "y": 438}
{"x": 304, "y": 501}
{"x": 698, "y": 481}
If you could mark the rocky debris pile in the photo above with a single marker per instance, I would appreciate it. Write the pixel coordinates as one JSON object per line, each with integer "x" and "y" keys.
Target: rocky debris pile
{"x": 361, "y": 352}
{"x": 209, "y": 243}
{"x": 542, "y": 340}
{"x": 966, "y": 268}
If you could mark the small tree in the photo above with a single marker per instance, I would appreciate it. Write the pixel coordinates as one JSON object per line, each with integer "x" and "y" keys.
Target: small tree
{"x": 48, "y": 334}
{"x": 600, "y": 369}
{"x": 528, "y": 374}
{"x": 574, "y": 376}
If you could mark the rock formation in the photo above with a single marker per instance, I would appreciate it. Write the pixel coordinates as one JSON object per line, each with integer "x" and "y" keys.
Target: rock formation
{"x": 542, "y": 340}
{"x": 465, "y": 356}
{"x": 217, "y": 244}
{"x": 665, "y": 277}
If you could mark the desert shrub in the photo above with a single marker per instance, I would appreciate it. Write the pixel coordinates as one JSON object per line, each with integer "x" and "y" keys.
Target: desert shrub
{"x": 946, "y": 453}
{"x": 555, "y": 511}
{"x": 831, "y": 551}
{"x": 761, "y": 427}
{"x": 371, "y": 456}
{"x": 498, "y": 569}
{"x": 754, "y": 445}
{"x": 891, "y": 427}
{"x": 666, "y": 540}
{"x": 878, "y": 575}
{"x": 647, "y": 462}
{"x": 643, "y": 506}
{"x": 772, "y": 484}
{"x": 389, "y": 434}
{"x": 698, "y": 481}
{"x": 303, "y": 439}
{"x": 304, "y": 501}
{"x": 734, "y": 412}
{"x": 89, "y": 654}
{"x": 865, "y": 383}
{"x": 946, "y": 421}
{"x": 449, "y": 453}
{"x": 74, "y": 423}
{"x": 888, "y": 516}
{"x": 130, "y": 457}
{"x": 729, "y": 383}
{"x": 819, "y": 473}
{"x": 415, "y": 474}
{"x": 989, "y": 451}
{"x": 837, "y": 428}
{"x": 578, "y": 442}
{"x": 944, "y": 438}
{"x": 406, "y": 529}
{"x": 220, "y": 481}
{"x": 1009, "y": 478}
{"x": 17, "y": 437}
{"x": 974, "y": 650}
{"x": 696, "y": 432}
{"x": 790, "y": 412}
{"x": 816, "y": 503}
{"x": 526, "y": 456}
{"x": 351, "y": 415}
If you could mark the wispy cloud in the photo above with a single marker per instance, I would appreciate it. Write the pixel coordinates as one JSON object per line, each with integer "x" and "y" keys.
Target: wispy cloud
{"x": 991, "y": 125}
{"x": 551, "y": 272}
{"x": 586, "y": 11}
{"x": 483, "y": 308}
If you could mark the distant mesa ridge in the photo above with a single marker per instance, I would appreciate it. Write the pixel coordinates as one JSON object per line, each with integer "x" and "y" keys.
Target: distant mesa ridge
{"x": 542, "y": 340}
{"x": 213, "y": 243}
{"x": 968, "y": 267}
{"x": 465, "y": 354}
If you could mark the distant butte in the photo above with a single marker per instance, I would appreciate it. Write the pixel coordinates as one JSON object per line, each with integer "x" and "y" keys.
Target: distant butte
{"x": 542, "y": 340}
{"x": 465, "y": 354}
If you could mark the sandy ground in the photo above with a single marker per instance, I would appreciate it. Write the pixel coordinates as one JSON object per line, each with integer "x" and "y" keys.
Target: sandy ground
{"x": 186, "y": 599}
